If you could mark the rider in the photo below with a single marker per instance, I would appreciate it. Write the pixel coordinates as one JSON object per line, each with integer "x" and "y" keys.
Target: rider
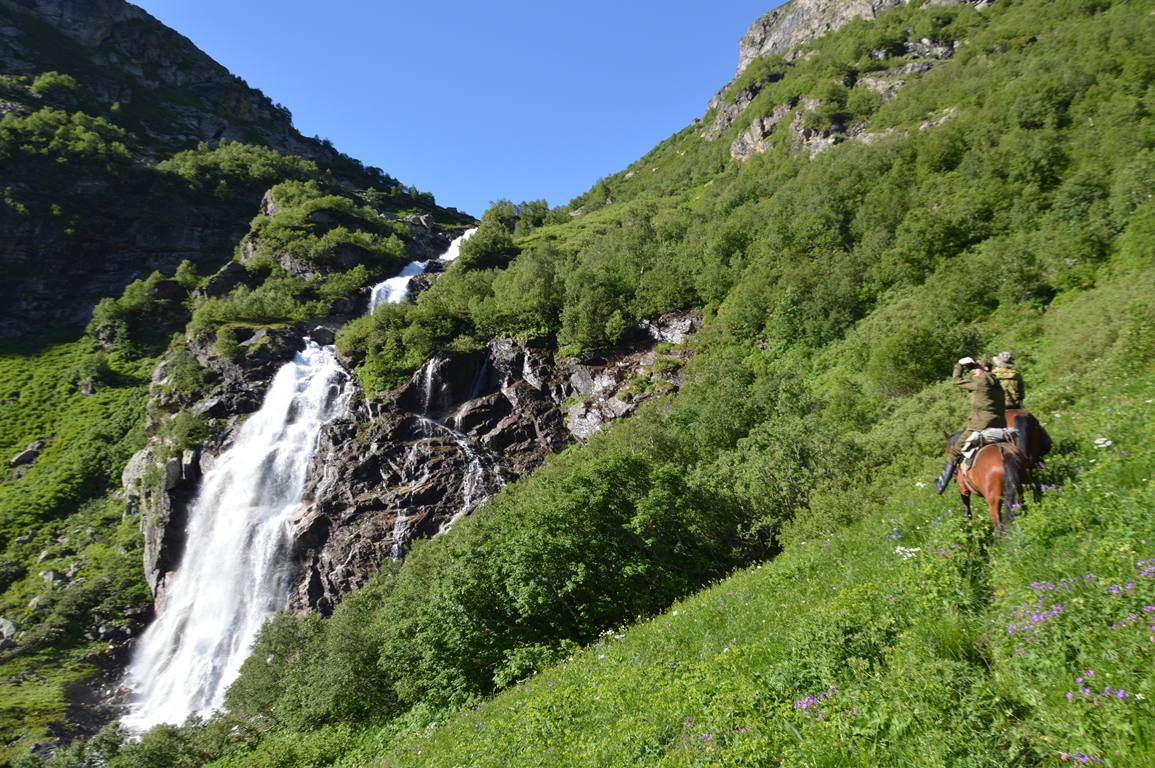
{"x": 1010, "y": 379}
{"x": 987, "y": 407}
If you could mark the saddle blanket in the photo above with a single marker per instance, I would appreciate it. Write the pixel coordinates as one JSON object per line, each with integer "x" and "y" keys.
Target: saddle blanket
{"x": 990, "y": 436}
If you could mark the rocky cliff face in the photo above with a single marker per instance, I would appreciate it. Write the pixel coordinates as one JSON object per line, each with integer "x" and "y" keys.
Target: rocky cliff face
{"x": 127, "y": 53}
{"x": 76, "y": 232}
{"x": 786, "y": 30}
{"x": 402, "y": 468}
{"x": 452, "y": 436}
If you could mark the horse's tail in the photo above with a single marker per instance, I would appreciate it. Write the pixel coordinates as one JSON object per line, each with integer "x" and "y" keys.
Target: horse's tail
{"x": 1045, "y": 443}
{"x": 1025, "y": 423}
{"x": 1012, "y": 481}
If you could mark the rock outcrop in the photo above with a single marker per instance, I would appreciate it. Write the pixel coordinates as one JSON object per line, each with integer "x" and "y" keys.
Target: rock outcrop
{"x": 756, "y": 140}
{"x": 887, "y": 82}
{"x": 452, "y": 436}
{"x": 130, "y": 51}
{"x": 786, "y": 30}
{"x": 398, "y": 469}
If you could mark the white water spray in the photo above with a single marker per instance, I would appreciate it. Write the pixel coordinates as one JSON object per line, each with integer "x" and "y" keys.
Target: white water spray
{"x": 235, "y": 572}
{"x": 396, "y": 289}
{"x": 455, "y": 247}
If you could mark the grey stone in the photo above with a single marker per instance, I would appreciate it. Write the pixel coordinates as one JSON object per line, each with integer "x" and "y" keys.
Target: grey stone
{"x": 28, "y": 455}
{"x": 322, "y": 335}
{"x": 172, "y": 474}
{"x": 7, "y": 628}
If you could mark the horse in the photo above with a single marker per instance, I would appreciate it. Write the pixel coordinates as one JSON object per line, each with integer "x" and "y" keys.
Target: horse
{"x": 997, "y": 476}
{"x": 1032, "y": 441}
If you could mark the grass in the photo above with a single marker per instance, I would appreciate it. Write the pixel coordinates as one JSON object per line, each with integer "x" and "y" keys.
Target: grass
{"x": 66, "y": 506}
{"x": 891, "y": 643}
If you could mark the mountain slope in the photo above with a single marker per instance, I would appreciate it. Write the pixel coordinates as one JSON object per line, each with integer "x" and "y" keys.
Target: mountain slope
{"x": 934, "y": 182}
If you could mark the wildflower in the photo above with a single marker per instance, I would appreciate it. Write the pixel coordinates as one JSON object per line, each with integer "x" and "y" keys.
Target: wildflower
{"x": 1103, "y": 443}
{"x": 920, "y": 484}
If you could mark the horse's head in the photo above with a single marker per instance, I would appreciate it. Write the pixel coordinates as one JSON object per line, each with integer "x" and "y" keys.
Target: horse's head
{"x": 950, "y": 440}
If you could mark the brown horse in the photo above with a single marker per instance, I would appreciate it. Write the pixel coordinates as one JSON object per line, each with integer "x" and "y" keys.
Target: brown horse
{"x": 997, "y": 476}
{"x": 1032, "y": 441}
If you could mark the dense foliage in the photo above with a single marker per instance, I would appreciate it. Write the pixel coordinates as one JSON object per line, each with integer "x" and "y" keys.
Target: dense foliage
{"x": 1002, "y": 200}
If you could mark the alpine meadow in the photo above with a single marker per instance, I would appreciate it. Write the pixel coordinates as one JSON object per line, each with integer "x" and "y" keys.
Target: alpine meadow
{"x": 642, "y": 479}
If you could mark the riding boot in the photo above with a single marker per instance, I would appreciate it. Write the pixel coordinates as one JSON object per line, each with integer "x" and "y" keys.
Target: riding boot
{"x": 943, "y": 480}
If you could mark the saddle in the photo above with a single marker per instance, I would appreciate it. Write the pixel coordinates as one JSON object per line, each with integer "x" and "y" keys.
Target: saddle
{"x": 980, "y": 440}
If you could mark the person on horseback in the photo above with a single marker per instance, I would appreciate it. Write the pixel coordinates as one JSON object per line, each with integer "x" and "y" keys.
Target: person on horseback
{"x": 1010, "y": 379}
{"x": 988, "y": 405}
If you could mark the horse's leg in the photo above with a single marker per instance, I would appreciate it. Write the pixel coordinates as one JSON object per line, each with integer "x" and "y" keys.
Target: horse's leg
{"x": 966, "y": 500}
{"x": 994, "y": 501}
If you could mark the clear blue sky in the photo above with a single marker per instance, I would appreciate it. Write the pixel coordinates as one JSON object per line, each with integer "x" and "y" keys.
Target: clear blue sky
{"x": 476, "y": 101}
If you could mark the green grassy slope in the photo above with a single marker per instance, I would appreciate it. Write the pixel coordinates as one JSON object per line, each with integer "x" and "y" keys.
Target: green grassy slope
{"x": 837, "y": 290}
{"x": 61, "y": 516}
{"x": 911, "y": 638}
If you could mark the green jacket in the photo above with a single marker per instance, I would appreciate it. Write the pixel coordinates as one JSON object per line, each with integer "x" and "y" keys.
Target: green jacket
{"x": 1012, "y": 383}
{"x": 987, "y": 399}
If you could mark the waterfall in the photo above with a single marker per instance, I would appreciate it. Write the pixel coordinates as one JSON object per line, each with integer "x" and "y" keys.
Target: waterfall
{"x": 455, "y": 247}
{"x": 473, "y": 488}
{"x": 236, "y": 571}
{"x": 396, "y": 289}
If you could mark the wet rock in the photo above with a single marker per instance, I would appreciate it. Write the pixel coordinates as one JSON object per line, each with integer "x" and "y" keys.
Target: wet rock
{"x": 322, "y": 335}
{"x": 408, "y": 467}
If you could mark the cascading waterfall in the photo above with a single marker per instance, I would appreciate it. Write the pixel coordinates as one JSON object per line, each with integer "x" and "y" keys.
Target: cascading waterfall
{"x": 473, "y": 490}
{"x": 236, "y": 571}
{"x": 396, "y": 289}
{"x": 455, "y": 247}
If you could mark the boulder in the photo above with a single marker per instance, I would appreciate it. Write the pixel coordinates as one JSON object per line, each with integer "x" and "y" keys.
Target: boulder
{"x": 226, "y": 279}
{"x": 28, "y": 455}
